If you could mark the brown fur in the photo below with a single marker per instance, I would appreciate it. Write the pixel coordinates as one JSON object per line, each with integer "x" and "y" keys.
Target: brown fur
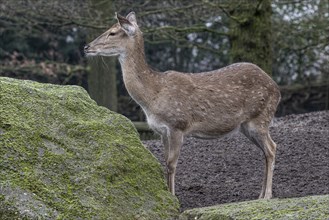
{"x": 239, "y": 97}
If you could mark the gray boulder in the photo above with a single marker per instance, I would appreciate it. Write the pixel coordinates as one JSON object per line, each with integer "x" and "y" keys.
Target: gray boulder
{"x": 310, "y": 207}
{"x": 64, "y": 157}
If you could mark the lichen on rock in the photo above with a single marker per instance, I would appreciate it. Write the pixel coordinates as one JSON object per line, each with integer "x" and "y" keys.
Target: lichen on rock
{"x": 311, "y": 207}
{"x": 64, "y": 157}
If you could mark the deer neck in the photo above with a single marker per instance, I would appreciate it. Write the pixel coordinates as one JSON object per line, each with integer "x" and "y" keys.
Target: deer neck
{"x": 140, "y": 80}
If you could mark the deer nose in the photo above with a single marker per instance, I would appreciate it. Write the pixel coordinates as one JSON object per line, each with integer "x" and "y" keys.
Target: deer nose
{"x": 86, "y": 47}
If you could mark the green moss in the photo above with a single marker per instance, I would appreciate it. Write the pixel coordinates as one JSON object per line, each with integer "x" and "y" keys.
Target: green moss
{"x": 313, "y": 207}
{"x": 250, "y": 37}
{"x": 73, "y": 159}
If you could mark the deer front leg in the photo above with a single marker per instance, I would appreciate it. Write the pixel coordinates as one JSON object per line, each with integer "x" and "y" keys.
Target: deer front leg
{"x": 172, "y": 142}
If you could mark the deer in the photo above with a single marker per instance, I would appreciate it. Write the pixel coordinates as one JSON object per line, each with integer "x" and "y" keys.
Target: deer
{"x": 240, "y": 97}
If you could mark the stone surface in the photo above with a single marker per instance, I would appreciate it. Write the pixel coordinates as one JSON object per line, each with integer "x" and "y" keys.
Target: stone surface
{"x": 64, "y": 157}
{"x": 313, "y": 207}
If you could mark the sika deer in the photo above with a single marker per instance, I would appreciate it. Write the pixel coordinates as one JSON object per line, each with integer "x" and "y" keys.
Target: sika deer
{"x": 207, "y": 105}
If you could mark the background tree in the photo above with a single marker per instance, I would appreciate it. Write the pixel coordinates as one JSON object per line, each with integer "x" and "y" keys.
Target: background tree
{"x": 301, "y": 43}
{"x": 250, "y": 33}
{"x": 40, "y": 41}
{"x": 43, "y": 40}
{"x": 102, "y": 83}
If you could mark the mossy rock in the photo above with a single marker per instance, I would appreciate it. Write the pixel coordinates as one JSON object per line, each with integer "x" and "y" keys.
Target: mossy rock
{"x": 64, "y": 157}
{"x": 313, "y": 207}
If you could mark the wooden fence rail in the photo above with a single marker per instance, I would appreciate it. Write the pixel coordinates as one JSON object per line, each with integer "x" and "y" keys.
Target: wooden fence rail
{"x": 144, "y": 131}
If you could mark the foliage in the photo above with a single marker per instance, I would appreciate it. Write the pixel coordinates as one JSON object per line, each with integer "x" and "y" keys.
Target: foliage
{"x": 301, "y": 43}
{"x": 39, "y": 35}
{"x": 186, "y": 35}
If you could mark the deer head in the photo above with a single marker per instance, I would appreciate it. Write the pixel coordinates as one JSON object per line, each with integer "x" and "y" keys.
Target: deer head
{"x": 117, "y": 40}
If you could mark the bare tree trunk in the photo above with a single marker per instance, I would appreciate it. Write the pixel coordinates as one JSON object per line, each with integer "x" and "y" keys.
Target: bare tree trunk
{"x": 102, "y": 84}
{"x": 250, "y": 33}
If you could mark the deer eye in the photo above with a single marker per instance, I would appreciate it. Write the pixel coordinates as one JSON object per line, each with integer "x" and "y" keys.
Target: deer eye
{"x": 111, "y": 34}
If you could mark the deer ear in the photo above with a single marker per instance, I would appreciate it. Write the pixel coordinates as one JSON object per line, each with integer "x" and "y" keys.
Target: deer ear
{"x": 126, "y": 25}
{"x": 132, "y": 17}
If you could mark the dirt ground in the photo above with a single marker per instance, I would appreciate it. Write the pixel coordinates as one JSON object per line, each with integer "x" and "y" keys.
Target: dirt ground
{"x": 230, "y": 169}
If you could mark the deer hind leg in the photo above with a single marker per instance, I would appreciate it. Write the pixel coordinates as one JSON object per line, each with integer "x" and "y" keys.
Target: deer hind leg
{"x": 172, "y": 141}
{"x": 259, "y": 135}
